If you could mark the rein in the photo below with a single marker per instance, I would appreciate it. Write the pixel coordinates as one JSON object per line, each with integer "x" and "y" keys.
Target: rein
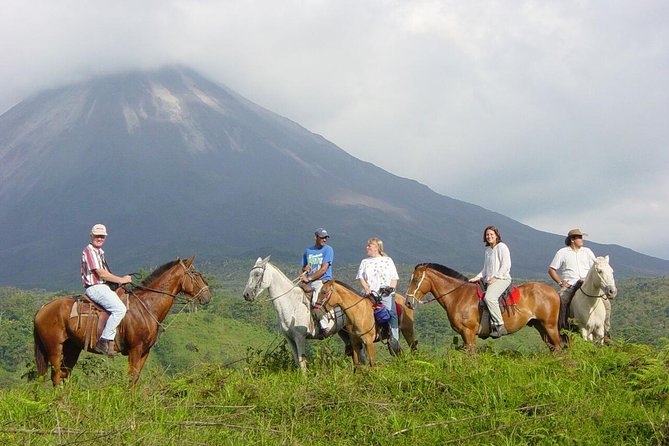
{"x": 190, "y": 273}
{"x": 324, "y": 304}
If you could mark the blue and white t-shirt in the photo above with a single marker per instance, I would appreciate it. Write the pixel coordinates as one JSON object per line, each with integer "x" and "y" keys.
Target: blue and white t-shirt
{"x": 316, "y": 257}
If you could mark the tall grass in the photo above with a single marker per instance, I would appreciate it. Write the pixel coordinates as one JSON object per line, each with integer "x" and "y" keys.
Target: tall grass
{"x": 587, "y": 395}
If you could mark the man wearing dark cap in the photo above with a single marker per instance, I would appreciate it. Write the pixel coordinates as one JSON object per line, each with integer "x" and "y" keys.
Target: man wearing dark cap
{"x": 573, "y": 263}
{"x": 317, "y": 263}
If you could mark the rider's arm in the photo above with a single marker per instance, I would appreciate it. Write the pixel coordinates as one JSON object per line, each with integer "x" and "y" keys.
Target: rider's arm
{"x": 365, "y": 286}
{"x": 318, "y": 274}
{"x": 109, "y": 277}
{"x": 556, "y": 277}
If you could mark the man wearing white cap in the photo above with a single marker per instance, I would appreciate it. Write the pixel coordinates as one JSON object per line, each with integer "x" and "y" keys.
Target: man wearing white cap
{"x": 573, "y": 263}
{"x": 95, "y": 274}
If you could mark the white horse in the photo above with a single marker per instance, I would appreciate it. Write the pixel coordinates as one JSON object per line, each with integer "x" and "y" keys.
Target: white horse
{"x": 587, "y": 306}
{"x": 291, "y": 305}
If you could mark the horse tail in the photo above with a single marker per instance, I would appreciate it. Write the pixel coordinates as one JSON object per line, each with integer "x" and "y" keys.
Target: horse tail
{"x": 40, "y": 353}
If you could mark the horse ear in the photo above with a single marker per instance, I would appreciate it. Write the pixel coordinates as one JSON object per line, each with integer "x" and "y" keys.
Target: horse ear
{"x": 258, "y": 262}
{"x": 266, "y": 259}
{"x": 189, "y": 261}
{"x": 607, "y": 258}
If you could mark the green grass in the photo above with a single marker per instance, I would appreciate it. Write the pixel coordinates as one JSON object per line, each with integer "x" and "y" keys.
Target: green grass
{"x": 587, "y": 395}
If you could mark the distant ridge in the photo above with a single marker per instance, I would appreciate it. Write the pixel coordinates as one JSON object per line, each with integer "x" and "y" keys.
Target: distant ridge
{"x": 175, "y": 164}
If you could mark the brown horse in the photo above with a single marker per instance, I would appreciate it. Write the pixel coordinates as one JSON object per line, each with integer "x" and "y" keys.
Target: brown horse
{"x": 360, "y": 323}
{"x": 59, "y": 337}
{"x": 538, "y": 306}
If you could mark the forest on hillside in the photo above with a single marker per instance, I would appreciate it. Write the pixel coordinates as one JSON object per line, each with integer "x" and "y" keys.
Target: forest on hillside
{"x": 229, "y": 328}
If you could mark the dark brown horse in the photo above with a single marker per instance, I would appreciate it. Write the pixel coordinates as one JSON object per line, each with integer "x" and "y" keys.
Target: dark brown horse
{"x": 59, "y": 337}
{"x": 538, "y": 306}
{"x": 360, "y": 323}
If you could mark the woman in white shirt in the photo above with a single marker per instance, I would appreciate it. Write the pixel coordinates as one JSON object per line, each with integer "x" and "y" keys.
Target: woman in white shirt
{"x": 376, "y": 271}
{"x": 496, "y": 274}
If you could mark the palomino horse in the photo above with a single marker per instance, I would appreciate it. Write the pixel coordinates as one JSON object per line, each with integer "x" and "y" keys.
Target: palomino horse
{"x": 59, "y": 337}
{"x": 291, "y": 305}
{"x": 587, "y": 306}
{"x": 361, "y": 325}
{"x": 538, "y": 306}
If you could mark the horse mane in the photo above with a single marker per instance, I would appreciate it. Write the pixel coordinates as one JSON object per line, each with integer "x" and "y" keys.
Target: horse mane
{"x": 159, "y": 272}
{"x": 443, "y": 270}
{"x": 347, "y": 286}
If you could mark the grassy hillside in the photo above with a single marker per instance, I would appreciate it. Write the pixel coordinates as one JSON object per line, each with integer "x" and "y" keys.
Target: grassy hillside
{"x": 585, "y": 396}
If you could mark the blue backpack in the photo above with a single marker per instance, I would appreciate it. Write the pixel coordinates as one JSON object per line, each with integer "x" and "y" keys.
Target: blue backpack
{"x": 381, "y": 315}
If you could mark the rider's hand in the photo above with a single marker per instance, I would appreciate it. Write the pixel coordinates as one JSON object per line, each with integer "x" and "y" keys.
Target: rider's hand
{"x": 126, "y": 279}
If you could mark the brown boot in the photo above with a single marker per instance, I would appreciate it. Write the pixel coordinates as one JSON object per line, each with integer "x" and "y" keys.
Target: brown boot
{"x": 106, "y": 347}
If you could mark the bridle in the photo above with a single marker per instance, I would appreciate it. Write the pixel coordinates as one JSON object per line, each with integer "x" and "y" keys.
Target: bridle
{"x": 414, "y": 300}
{"x": 257, "y": 288}
{"x": 191, "y": 273}
{"x": 604, "y": 294}
{"x": 324, "y": 304}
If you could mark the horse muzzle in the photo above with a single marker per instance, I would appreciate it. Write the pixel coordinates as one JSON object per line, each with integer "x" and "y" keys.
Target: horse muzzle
{"x": 611, "y": 292}
{"x": 249, "y": 296}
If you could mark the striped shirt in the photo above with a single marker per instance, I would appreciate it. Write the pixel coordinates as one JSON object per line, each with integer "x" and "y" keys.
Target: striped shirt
{"x": 91, "y": 260}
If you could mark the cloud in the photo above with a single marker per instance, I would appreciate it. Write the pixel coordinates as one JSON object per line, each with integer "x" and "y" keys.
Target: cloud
{"x": 551, "y": 113}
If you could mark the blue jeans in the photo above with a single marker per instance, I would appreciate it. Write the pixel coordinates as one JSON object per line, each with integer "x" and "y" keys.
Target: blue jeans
{"x": 103, "y": 295}
{"x": 389, "y": 303}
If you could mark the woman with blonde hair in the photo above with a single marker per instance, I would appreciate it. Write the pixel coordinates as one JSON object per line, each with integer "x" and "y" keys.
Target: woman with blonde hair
{"x": 378, "y": 271}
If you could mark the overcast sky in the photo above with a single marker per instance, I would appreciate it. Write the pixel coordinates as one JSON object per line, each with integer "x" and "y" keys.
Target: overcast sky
{"x": 553, "y": 113}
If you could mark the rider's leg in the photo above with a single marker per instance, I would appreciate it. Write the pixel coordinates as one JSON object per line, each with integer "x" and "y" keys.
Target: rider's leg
{"x": 389, "y": 303}
{"x": 107, "y": 299}
{"x": 491, "y": 299}
{"x": 316, "y": 285}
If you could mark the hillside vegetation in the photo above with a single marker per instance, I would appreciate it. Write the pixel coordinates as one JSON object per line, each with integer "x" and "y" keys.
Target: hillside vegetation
{"x": 222, "y": 375}
{"x": 587, "y": 395}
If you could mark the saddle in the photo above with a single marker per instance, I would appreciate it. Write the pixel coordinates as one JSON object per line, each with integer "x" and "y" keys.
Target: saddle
{"x": 93, "y": 317}
{"x": 308, "y": 291}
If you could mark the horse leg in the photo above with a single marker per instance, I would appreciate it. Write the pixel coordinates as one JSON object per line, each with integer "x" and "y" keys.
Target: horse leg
{"x": 137, "y": 357}
{"x": 295, "y": 350}
{"x": 300, "y": 352}
{"x": 369, "y": 347}
{"x": 406, "y": 327}
{"x": 55, "y": 358}
{"x": 70, "y": 356}
{"x": 469, "y": 339}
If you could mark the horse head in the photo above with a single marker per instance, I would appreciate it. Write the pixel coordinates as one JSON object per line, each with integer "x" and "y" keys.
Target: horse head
{"x": 256, "y": 283}
{"x": 605, "y": 274}
{"x": 194, "y": 284}
{"x": 418, "y": 287}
